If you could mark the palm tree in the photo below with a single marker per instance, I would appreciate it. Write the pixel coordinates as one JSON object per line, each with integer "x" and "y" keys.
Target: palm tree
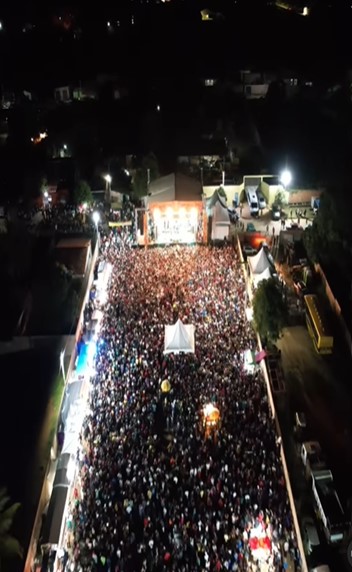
{"x": 9, "y": 546}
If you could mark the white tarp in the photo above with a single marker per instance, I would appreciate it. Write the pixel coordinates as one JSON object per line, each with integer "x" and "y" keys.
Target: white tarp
{"x": 179, "y": 338}
{"x": 221, "y": 214}
{"x": 263, "y": 276}
{"x": 97, "y": 316}
{"x": 259, "y": 262}
{"x": 73, "y": 427}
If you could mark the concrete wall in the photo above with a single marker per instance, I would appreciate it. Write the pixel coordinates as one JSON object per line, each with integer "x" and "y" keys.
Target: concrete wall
{"x": 269, "y": 192}
{"x": 297, "y": 196}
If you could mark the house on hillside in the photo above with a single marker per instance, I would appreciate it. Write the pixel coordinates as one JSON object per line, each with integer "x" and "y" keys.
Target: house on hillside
{"x": 205, "y": 154}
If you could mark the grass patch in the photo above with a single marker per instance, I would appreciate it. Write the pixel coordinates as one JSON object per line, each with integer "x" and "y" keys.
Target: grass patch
{"x": 51, "y": 418}
{"x": 57, "y": 392}
{"x": 54, "y": 408}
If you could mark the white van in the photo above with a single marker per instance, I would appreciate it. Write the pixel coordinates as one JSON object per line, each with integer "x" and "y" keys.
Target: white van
{"x": 252, "y": 199}
{"x": 261, "y": 200}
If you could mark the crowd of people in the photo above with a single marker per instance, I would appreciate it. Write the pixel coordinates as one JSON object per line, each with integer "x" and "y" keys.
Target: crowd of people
{"x": 158, "y": 489}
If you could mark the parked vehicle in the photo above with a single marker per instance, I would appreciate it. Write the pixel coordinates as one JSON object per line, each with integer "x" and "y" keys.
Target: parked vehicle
{"x": 329, "y": 506}
{"x": 300, "y": 288}
{"x": 312, "y": 457}
{"x": 311, "y": 535}
{"x": 300, "y": 420}
{"x": 317, "y": 325}
{"x": 261, "y": 200}
{"x": 252, "y": 200}
{"x": 275, "y": 212}
{"x": 248, "y": 250}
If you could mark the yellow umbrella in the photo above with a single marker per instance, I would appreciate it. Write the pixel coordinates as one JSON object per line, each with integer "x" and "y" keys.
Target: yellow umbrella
{"x": 165, "y": 386}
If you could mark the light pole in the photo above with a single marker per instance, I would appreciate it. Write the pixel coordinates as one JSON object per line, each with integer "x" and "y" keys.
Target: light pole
{"x": 286, "y": 178}
{"x": 108, "y": 180}
{"x": 96, "y": 220}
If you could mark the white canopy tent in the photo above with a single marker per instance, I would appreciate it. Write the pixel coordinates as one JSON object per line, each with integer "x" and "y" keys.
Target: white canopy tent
{"x": 73, "y": 427}
{"x": 179, "y": 338}
{"x": 221, "y": 222}
{"x": 259, "y": 262}
{"x": 265, "y": 275}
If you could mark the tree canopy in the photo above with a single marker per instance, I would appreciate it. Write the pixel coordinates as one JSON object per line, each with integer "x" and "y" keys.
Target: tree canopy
{"x": 280, "y": 199}
{"x": 55, "y": 300}
{"x": 9, "y": 546}
{"x": 269, "y": 310}
{"x": 329, "y": 239}
{"x": 82, "y": 193}
{"x": 140, "y": 177}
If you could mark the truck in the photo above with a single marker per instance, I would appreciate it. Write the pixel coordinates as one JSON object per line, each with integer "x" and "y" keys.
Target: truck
{"x": 328, "y": 505}
{"x": 312, "y": 457}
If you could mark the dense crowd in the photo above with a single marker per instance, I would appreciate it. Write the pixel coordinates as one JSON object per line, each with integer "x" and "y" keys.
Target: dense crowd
{"x": 159, "y": 491}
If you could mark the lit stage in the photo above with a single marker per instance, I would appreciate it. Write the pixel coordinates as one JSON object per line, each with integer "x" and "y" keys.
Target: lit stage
{"x": 176, "y": 222}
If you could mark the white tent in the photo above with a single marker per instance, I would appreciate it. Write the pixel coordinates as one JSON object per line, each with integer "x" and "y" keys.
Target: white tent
{"x": 221, "y": 222}
{"x": 259, "y": 262}
{"x": 73, "y": 427}
{"x": 179, "y": 338}
{"x": 263, "y": 276}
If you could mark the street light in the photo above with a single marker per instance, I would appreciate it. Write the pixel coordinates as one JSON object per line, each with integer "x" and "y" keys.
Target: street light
{"x": 108, "y": 179}
{"x": 286, "y": 178}
{"x": 96, "y": 218}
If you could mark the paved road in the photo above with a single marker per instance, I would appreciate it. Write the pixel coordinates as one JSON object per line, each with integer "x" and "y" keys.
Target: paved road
{"x": 315, "y": 385}
{"x": 264, "y": 220}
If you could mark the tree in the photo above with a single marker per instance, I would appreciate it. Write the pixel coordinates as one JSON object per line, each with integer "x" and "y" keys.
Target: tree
{"x": 280, "y": 199}
{"x": 269, "y": 310}
{"x": 34, "y": 184}
{"x": 82, "y": 193}
{"x": 221, "y": 192}
{"x": 9, "y": 546}
{"x": 55, "y": 300}
{"x": 328, "y": 240}
{"x": 149, "y": 164}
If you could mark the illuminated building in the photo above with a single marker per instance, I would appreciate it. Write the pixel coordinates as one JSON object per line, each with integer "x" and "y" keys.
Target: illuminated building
{"x": 175, "y": 211}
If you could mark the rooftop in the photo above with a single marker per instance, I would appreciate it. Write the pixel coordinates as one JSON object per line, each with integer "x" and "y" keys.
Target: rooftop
{"x": 73, "y": 243}
{"x": 175, "y": 187}
{"x": 73, "y": 254}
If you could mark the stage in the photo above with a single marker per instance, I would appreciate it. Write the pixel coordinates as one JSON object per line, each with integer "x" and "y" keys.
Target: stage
{"x": 176, "y": 223}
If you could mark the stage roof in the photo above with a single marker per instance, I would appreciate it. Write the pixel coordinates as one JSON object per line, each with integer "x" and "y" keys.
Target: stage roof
{"x": 174, "y": 187}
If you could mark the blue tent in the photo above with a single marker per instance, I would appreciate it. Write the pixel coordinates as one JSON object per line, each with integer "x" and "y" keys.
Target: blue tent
{"x": 82, "y": 359}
